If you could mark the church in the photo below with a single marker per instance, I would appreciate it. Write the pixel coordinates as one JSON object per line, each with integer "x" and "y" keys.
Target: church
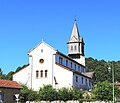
{"x": 47, "y": 65}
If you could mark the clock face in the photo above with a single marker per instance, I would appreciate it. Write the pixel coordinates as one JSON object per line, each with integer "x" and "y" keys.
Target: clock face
{"x": 41, "y": 60}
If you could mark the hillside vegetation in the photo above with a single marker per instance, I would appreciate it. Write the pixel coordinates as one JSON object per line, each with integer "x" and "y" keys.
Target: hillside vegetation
{"x": 100, "y": 68}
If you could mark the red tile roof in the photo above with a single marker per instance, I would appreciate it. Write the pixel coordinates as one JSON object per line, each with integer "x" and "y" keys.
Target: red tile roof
{"x": 9, "y": 84}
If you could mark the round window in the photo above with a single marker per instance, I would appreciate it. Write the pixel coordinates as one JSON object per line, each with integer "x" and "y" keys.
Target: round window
{"x": 41, "y": 60}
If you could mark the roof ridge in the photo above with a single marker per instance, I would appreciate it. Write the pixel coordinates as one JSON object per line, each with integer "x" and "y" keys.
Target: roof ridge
{"x": 41, "y": 43}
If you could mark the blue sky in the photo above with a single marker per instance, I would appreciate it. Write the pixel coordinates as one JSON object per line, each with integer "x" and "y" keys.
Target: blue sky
{"x": 23, "y": 24}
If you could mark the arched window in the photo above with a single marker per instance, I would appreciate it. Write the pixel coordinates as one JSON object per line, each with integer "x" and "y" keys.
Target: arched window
{"x": 82, "y": 80}
{"x": 76, "y": 78}
{"x": 41, "y": 73}
{"x": 86, "y": 81}
{"x": 71, "y": 65}
{"x": 75, "y": 48}
{"x": 79, "y": 68}
{"x": 71, "y": 48}
{"x": 46, "y": 73}
{"x": 75, "y": 66}
{"x": 66, "y": 63}
{"x": 37, "y": 74}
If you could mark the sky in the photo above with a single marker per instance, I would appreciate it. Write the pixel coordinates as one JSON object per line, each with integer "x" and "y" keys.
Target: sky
{"x": 24, "y": 23}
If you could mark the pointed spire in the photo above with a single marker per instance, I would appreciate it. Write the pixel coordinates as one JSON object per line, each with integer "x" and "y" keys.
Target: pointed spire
{"x": 42, "y": 40}
{"x": 75, "y": 19}
{"x": 75, "y": 33}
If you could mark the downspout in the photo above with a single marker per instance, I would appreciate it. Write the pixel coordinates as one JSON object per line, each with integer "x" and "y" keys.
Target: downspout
{"x": 31, "y": 70}
{"x": 53, "y": 68}
{"x": 31, "y": 62}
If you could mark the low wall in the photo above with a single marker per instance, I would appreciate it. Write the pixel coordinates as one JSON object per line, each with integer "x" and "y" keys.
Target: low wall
{"x": 68, "y": 102}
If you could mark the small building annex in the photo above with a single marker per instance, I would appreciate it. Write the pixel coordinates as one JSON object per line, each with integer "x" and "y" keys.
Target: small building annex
{"x": 8, "y": 90}
{"x": 50, "y": 66}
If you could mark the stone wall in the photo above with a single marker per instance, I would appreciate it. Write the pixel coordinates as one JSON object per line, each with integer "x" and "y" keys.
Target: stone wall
{"x": 69, "y": 102}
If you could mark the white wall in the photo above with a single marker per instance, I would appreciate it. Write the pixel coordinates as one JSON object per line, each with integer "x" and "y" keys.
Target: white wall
{"x": 81, "y": 60}
{"x": 63, "y": 77}
{"x": 47, "y": 56}
{"x": 23, "y": 76}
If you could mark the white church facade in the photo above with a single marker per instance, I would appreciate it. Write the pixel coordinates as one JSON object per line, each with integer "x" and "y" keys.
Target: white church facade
{"x": 49, "y": 66}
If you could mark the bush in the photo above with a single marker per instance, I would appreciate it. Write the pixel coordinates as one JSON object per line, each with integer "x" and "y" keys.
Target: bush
{"x": 27, "y": 94}
{"x": 47, "y": 93}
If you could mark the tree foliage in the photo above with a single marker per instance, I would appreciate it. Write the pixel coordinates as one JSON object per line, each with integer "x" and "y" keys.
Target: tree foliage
{"x": 4, "y": 76}
{"x": 20, "y": 67}
{"x": 104, "y": 91}
{"x": 1, "y": 71}
{"x": 9, "y": 75}
{"x": 27, "y": 94}
{"x": 48, "y": 93}
{"x": 100, "y": 67}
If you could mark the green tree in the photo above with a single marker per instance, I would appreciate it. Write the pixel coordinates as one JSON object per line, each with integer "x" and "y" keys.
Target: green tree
{"x": 47, "y": 93}
{"x": 64, "y": 94}
{"x": 9, "y": 75}
{"x": 27, "y": 94}
{"x": 103, "y": 91}
{"x": 20, "y": 67}
{"x": 2, "y": 76}
{"x": 100, "y": 68}
{"x": 101, "y": 73}
{"x": 33, "y": 95}
{"x": 116, "y": 66}
{"x": 75, "y": 94}
{"x": 1, "y": 71}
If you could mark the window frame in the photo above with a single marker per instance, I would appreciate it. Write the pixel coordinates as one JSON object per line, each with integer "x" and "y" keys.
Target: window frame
{"x": 75, "y": 47}
{"x": 60, "y": 60}
{"x": 82, "y": 80}
{"x": 41, "y": 73}
{"x": 71, "y": 65}
{"x": 71, "y": 48}
{"x": 75, "y": 67}
{"x": 37, "y": 73}
{"x": 76, "y": 78}
{"x": 46, "y": 73}
{"x": 66, "y": 63}
{"x": 2, "y": 96}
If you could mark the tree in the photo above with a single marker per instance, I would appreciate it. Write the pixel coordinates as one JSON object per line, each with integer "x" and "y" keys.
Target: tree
{"x": 103, "y": 91}
{"x": 33, "y": 95}
{"x": 1, "y": 71}
{"x": 64, "y": 94}
{"x": 47, "y": 93}
{"x": 19, "y": 68}
{"x": 100, "y": 68}
{"x": 27, "y": 94}
{"x": 2, "y": 76}
{"x": 9, "y": 75}
{"x": 101, "y": 73}
{"x": 75, "y": 94}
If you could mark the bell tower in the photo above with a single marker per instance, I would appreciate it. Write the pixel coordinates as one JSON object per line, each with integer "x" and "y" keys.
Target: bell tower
{"x": 76, "y": 45}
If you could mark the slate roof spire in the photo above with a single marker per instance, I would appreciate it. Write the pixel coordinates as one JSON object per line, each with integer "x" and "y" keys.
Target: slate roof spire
{"x": 75, "y": 44}
{"x": 75, "y": 36}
